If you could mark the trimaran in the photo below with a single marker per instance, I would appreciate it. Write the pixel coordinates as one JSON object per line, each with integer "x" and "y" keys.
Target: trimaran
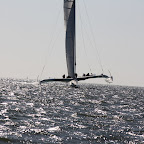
{"x": 70, "y": 46}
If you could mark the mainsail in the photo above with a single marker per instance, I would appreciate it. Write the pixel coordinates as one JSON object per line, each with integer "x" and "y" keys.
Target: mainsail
{"x": 70, "y": 42}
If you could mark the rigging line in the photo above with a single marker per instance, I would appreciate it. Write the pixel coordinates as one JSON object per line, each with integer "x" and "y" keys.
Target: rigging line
{"x": 93, "y": 37}
{"x": 87, "y": 34}
{"x": 52, "y": 49}
{"x": 90, "y": 41}
{"x": 83, "y": 36}
{"x": 52, "y": 37}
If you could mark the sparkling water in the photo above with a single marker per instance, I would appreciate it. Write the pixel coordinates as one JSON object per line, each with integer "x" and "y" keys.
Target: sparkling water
{"x": 57, "y": 113}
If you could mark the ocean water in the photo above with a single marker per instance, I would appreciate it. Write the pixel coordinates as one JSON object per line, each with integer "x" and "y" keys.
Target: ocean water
{"x": 57, "y": 113}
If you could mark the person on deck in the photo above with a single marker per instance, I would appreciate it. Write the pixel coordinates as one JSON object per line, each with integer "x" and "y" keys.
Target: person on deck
{"x": 88, "y": 74}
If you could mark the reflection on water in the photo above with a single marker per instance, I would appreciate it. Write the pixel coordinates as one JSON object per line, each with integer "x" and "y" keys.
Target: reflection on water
{"x": 56, "y": 113}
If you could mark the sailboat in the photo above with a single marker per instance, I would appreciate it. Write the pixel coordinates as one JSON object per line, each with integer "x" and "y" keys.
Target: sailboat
{"x": 70, "y": 47}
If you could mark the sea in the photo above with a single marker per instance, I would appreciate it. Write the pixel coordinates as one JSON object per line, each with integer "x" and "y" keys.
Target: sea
{"x": 55, "y": 113}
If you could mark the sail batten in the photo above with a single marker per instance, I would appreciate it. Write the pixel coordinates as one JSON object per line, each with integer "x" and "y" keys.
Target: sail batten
{"x": 70, "y": 42}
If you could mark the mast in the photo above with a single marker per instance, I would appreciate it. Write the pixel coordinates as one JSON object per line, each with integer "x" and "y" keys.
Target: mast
{"x": 70, "y": 40}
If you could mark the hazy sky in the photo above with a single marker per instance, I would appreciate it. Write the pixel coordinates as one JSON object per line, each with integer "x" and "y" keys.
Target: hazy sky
{"x": 32, "y": 35}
